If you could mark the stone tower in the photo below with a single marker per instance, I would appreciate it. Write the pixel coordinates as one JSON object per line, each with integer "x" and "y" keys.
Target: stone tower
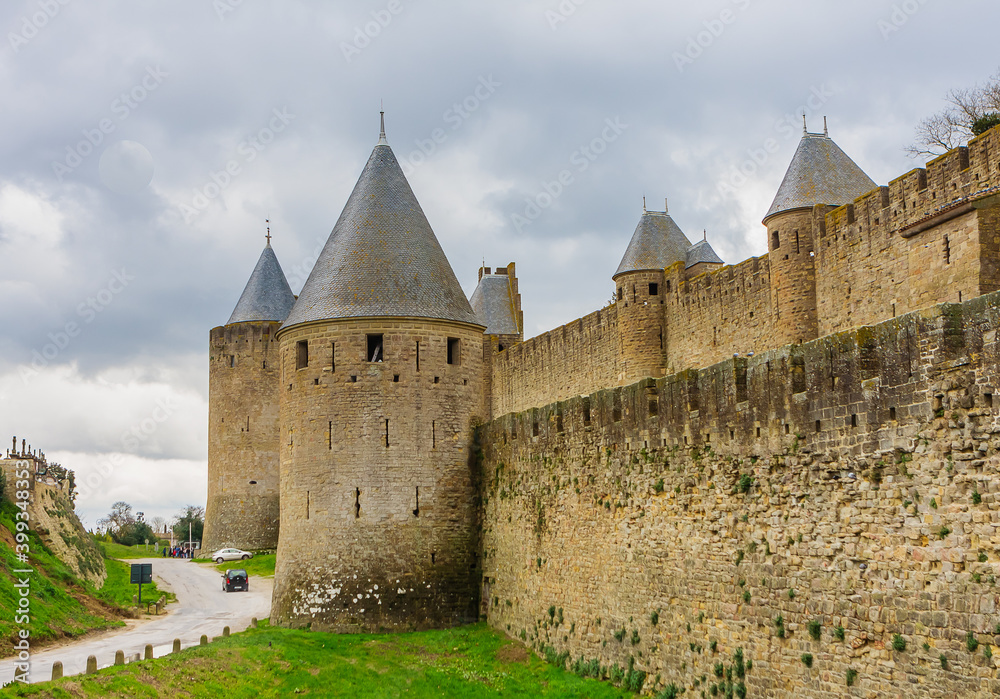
{"x": 382, "y": 383}
{"x": 244, "y": 378}
{"x": 820, "y": 173}
{"x": 656, "y": 244}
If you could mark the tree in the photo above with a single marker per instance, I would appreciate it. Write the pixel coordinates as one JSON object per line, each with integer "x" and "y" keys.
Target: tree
{"x": 159, "y": 524}
{"x": 124, "y": 526}
{"x": 971, "y": 112}
{"x": 118, "y": 521}
{"x": 193, "y": 516}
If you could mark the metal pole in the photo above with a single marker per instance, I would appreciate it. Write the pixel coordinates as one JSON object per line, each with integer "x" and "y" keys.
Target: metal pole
{"x": 190, "y": 543}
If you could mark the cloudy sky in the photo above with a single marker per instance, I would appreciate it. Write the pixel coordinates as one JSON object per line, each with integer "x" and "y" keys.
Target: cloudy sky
{"x": 144, "y": 144}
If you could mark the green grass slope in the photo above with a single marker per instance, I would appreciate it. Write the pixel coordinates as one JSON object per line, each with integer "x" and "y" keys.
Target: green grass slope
{"x": 62, "y": 605}
{"x": 468, "y": 662}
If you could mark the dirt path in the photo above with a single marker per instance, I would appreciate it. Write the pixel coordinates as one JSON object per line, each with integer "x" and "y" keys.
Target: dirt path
{"x": 202, "y": 608}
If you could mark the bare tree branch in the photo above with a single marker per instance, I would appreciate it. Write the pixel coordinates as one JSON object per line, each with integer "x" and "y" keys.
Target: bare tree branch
{"x": 952, "y": 126}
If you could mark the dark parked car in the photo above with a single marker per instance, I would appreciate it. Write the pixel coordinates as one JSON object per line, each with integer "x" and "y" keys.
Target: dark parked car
{"x": 236, "y": 580}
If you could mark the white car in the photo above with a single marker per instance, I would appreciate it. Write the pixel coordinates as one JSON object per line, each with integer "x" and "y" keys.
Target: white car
{"x": 230, "y": 555}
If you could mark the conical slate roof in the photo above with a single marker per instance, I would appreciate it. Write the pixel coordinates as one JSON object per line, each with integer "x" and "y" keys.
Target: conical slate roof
{"x": 492, "y": 304}
{"x": 267, "y": 295}
{"x": 701, "y": 252}
{"x": 382, "y": 258}
{"x": 657, "y": 243}
{"x": 820, "y": 173}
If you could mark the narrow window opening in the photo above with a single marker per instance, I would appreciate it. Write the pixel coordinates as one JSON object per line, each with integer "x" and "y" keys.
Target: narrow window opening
{"x": 465, "y": 382}
{"x": 357, "y": 503}
{"x": 947, "y": 251}
{"x": 333, "y": 356}
{"x": 329, "y": 436}
{"x": 654, "y": 289}
{"x": 354, "y": 379}
{"x": 988, "y": 399}
{"x": 796, "y": 242}
{"x": 253, "y": 482}
{"x": 534, "y": 428}
{"x": 433, "y": 556}
{"x": 416, "y": 510}
{"x": 960, "y": 297}
{"x": 263, "y": 365}
{"x": 301, "y": 354}
{"x": 788, "y": 428}
{"x": 437, "y": 379}
{"x": 668, "y": 287}
{"x": 654, "y": 408}
{"x": 892, "y": 414}
{"x": 775, "y": 240}
{"x": 418, "y": 355}
{"x": 854, "y": 420}
{"x": 708, "y": 437}
{"x": 395, "y": 378}
{"x": 619, "y": 293}
{"x": 387, "y": 433}
{"x": 248, "y": 423}
{"x": 586, "y": 411}
{"x": 758, "y": 432}
{"x": 732, "y": 434}
{"x": 434, "y": 434}
{"x": 893, "y": 310}
{"x": 685, "y": 439}
{"x": 232, "y": 360}
{"x": 307, "y": 504}
{"x": 374, "y": 348}
{"x": 817, "y": 425}
{"x": 316, "y": 382}
{"x": 454, "y": 350}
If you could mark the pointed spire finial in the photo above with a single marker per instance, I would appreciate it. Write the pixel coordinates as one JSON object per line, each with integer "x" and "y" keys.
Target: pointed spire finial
{"x": 268, "y": 236}
{"x": 704, "y": 234}
{"x": 666, "y": 209}
{"x": 644, "y": 203}
{"x": 381, "y": 133}
{"x": 826, "y": 129}
{"x": 805, "y": 128}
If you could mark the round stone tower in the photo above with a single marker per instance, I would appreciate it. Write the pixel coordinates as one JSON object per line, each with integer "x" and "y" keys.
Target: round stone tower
{"x": 656, "y": 244}
{"x": 382, "y": 384}
{"x": 820, "y": 173}
{"x": 243, "y": 433}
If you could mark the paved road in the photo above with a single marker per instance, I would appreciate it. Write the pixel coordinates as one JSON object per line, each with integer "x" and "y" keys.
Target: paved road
{"x": 202, "y": 608}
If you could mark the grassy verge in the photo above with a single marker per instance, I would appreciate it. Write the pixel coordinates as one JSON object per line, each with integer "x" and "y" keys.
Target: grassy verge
{"x": 113, "y": 550}
{"x": 61, "y": 605}
{"x": 472, "y": 661}
{"x": 118, "y": 590}
{"x": 260, "y": 566}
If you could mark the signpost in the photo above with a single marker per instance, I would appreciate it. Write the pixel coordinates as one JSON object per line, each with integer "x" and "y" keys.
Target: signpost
{"x": 141, "y": 573}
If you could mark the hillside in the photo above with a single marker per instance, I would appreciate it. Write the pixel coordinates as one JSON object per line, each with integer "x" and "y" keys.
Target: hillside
{"x": 470, "y": 661}
{"x": 62, "y": 604}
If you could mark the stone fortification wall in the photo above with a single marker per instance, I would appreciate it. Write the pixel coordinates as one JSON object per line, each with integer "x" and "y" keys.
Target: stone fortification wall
{"x": 930, "y": 236}
{"x": 576, "y": 358}
{"x": 51, "y": 513}
{"x": 714, "y": 315}
{"x": 811, "y": 509}
{"x": 378, "y": 502}
{"x": 243, "y": 438}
